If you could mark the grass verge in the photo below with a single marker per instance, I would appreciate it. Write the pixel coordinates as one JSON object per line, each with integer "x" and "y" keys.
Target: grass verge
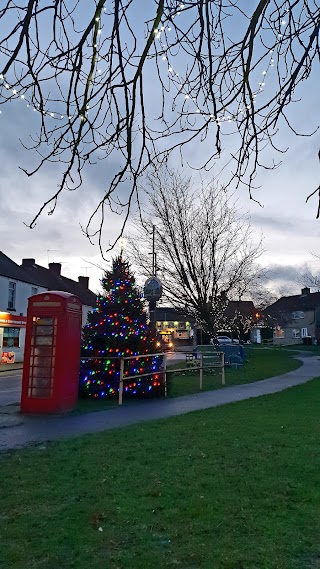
{"x": 236, "y": 487}
{"x": 260, "y": 365}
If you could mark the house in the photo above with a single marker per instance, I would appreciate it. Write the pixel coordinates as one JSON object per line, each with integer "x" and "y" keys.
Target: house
{"x": 17, "y": 284}
{"x": 241, "y": 317}
{"x": 238, "y": 314}
{"x": 173, "y": 322}
{"x": 295, "y": 319}
{"x": 51, "y": 279}
{"x": 16, "y": 287}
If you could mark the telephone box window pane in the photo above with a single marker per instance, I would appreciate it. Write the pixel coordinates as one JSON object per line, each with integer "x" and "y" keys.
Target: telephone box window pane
{"x": 45, "y": 359}
{"x": 42, "y": 356}
{"x": 43, "y": 383}
{"x": 45, "y": 320}
{"x": 42, "y": 361}
{"x": 41, "y": 393}
{"x": 44, "y": 330}
{"x": 43, "y": 351}
{"x": 42, "y": 371}
{"x": 44, "y": 341}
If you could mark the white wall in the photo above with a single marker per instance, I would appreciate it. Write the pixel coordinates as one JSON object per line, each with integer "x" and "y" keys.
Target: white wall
{"x": 85, "y": 311}
{"x": 23, "y": 292}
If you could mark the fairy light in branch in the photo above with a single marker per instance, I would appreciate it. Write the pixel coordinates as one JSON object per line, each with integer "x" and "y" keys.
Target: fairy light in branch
{"x": 183, "y": 86}
{"x": 175, "y": 77}
{"x": 54, "y": 115}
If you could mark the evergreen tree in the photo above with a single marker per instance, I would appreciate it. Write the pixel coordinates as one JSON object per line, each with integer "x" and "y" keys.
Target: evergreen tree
{"x": 118, "y": 327}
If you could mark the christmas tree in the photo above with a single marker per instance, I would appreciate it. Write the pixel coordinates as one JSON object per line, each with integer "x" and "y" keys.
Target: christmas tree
{"x": 118, "y": 328}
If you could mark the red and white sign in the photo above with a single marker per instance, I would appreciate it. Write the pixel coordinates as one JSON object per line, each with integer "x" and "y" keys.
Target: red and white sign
{"x": 7, "y": 357}
{"x": 12, "y": 320}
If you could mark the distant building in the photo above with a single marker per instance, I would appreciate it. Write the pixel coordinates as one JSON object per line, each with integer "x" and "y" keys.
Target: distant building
{"x": 17, "y": 284}
{"x": 51, "y": 279}
{"x": 295, "y": 319}
{"x": 171, "y": 321}
{"x": 239, "y": 315}
{"x": 245, "y": 308}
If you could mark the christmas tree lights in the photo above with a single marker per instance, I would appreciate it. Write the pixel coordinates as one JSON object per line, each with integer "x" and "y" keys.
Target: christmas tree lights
{"x": 118, "y": 328}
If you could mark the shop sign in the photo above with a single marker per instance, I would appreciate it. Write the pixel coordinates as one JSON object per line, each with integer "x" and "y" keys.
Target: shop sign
{"x": 7, "y": 319}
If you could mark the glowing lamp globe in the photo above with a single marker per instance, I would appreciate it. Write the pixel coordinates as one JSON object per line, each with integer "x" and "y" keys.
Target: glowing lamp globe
{"x": 152, "y": 289}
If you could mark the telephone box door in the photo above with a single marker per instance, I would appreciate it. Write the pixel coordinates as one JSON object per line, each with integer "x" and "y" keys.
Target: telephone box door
{"x": 52, "y": 353}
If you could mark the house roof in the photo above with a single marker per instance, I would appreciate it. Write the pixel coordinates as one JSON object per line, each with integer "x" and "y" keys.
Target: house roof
{"x": 54, "y": 281}
{"x": 11, "y": 270}
{"x": 304, "y": 302}
{"x": 167, "y": 313}
{"x": 243, "y": 307}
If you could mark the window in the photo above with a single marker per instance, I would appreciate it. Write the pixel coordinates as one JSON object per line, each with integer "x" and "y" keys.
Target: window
{"x": 11, "y": 337}
{"x": 304, "y": 332}
{"x": 297, "y": 314}
{"x": 34, "y": 290}
{"x": 12, "y": 296}
{"x": 278, "y": 332}
{"x": 295, "y": 333}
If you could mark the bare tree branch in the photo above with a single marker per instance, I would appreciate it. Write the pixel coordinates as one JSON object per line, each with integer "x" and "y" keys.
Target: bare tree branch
{"x": 205, "y": 254}
{"x": 112, "y": 85}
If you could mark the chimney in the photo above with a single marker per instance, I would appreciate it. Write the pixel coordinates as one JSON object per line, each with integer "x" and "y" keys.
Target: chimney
{"x": 55, "y": 268}
{"x": 28, "y": 263}
{"x": 84, "y": 282}
{"x": 305, "y": 291}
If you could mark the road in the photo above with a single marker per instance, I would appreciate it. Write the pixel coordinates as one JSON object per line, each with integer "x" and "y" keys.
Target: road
{"x": 10, "y": 381}
{"x": 10, "y": 387}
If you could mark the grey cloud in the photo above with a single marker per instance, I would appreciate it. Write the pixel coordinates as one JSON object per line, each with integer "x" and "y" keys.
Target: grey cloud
{"x": 274, "y": 223}
{"x": 22, "y": 196}
{"x": 286, "y": 273}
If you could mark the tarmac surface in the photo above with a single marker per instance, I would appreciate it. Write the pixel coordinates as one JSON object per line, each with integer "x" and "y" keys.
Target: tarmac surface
{"x": 18, "y": 430}
{"x": 10, "y": 367}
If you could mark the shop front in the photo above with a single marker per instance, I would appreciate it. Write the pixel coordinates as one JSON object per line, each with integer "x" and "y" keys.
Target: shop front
{"x": 12, "y": 337}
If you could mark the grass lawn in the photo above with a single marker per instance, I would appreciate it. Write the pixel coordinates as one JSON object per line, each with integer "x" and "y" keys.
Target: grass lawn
{"x": 313, "y": 350}
{"x": 262, "y": 364}
{"x": 235, "y": 487}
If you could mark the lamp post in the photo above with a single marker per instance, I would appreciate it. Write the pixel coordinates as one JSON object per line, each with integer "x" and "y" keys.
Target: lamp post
{"x": 153, "y": 288}
{"x": 152, "y": 291}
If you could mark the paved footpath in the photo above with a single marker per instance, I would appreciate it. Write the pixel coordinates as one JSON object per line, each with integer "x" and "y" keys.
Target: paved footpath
{"x": 23, "y": 430}
{"x": 10, "y": 367}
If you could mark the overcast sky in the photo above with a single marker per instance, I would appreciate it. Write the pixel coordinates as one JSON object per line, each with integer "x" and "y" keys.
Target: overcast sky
{"x": 291, "y": 232}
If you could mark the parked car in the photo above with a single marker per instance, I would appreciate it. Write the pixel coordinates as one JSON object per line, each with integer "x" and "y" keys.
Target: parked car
{"x": 226, "y": 340}
{"x": 165, "y": 344}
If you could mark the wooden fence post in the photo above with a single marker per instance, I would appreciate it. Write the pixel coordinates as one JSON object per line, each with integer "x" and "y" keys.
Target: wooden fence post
{"x": 121, "y": 381}
{"x": 223, "y": 378}
{"x": 165, "y": 374}
{"x": 201, "y": 369}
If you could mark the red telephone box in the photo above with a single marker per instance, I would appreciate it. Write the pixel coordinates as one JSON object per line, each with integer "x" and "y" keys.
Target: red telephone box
{"x": 52, "y": 353}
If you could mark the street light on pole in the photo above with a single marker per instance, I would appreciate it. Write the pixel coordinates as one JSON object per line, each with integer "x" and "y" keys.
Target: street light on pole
{"x": 153, "y": 287}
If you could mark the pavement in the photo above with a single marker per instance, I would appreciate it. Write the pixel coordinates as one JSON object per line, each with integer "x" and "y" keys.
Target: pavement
{"x": 10, "y": 367}
{"x": 21, "y": 430}
{"x": 10, "y": 387}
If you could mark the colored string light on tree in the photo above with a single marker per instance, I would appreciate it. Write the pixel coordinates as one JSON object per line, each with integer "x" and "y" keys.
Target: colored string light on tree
{"x": 111, "y": 334}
